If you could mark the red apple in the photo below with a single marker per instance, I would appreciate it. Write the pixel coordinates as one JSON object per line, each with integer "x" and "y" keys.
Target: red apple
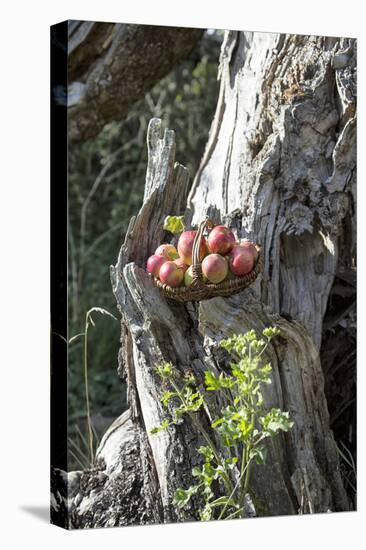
{"x": 241, "y": 260}
{"x": 251, "y": 246}
{"x": 215, "y": 268}
{"x": 168, "y": 251}
{"x": 170, "y": 274}
{"x": 185, "y": 246}
{"x": 154, "y": 264}
{"x": 180, "y": 263}
{"x": 221, "y": 240}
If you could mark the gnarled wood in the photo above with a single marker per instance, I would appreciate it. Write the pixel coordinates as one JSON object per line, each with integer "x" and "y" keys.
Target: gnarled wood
{"x": 118, "y": 491}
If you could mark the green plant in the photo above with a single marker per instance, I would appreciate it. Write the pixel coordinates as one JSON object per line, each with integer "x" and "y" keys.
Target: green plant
{"x": 91, "y": 432}
{"x": 223, "y": 480}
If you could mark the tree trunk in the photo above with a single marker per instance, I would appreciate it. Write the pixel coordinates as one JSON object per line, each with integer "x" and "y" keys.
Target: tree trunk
{"x": 279, "y": 168}
{"x": 112, "y": 65}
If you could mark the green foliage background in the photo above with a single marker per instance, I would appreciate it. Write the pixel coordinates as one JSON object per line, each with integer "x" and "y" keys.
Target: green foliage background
{"x": 106, "y": 184}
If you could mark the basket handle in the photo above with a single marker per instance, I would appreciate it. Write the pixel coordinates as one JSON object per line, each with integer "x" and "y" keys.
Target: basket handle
{"x": 207, "y": 223}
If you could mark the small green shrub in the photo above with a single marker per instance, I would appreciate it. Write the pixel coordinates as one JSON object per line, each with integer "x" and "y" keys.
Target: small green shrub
{"x": 241, "y": 428}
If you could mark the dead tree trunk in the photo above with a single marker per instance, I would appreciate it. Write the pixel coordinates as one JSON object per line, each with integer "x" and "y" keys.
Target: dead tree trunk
{"x": 279, "y": 168}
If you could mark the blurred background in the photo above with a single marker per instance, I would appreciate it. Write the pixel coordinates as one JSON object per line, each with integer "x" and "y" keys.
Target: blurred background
{"x": 106, "y": 186}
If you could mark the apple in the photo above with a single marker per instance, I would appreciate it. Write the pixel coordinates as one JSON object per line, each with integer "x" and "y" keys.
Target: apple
{"x": 180, "y": 263}
{"x": 230, "y": 276}
{"x": 221, "y": 240}
{"x": 188, "y": 276}
{"x": 168, "y": 251}
{"x": 154, "y": 264}
{"x": 241, "y": 260}
{"x": 215, "y": 268}
{"x": 185, "y": 246}
{"x": 170, "y": 274}
{"x": 251, "y": 246}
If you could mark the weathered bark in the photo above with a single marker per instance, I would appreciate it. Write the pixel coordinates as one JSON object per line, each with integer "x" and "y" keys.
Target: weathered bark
{"x": 118, "y": 491}
{"x": 282, "y": 164}
{"x": 112, "y": 65}
{"x": 279, "y": 168}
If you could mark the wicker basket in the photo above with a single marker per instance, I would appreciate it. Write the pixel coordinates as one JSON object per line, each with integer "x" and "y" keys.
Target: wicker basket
{"x": 198, "y": 289}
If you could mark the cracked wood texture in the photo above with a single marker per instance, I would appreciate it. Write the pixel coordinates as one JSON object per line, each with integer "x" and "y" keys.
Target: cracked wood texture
{"x": 279, "y": 168}
{"x": 112, "y": 65}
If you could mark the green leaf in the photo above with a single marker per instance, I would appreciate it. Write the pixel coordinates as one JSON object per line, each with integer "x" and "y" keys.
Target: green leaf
{"x": 230, "y": 462}
{"x": 219, "y": 472}
{"x": 217, "y": 422}
{"x": 207, "y": 492}
{"x": 174, "y": 224}
{"x": 266, "y": 370}
{"x": 271, "y": 332}
{"x": 182, "y": 496}
{"x": 192, "y": 401}
{"x": 196, "y": 401}
{"x": 212, "y": 383}
{"x": 208, "y": 472}
{"x": 225, "y": 381}
{"x": 165, "y": 370}
{"x": 259, "y": 400}
{"x": 206, "y": 452}
{"x": 179, "y": 411}
{"x": 166, "y": 397}
{"x": 258, "y": 454}
{"x": 245, "y": 428}
{"x": 274, "y": 421}
{"x": 163, "y": 426}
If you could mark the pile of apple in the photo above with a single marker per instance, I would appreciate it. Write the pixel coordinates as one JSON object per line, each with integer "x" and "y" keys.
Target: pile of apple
{"x": 222, "y": 258}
